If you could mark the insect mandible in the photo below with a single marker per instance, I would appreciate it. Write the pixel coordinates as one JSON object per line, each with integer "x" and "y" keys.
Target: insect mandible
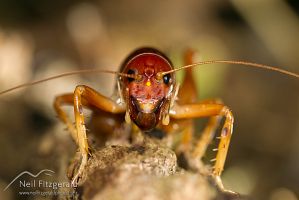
{"x": 148, "y": 95}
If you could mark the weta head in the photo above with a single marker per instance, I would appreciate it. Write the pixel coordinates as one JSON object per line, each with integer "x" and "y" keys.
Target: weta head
{"x": 147, "y": 96}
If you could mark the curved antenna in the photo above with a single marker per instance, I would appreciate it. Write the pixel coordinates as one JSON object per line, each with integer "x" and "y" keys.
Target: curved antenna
{"x": 68, "y": 74}
{"x": 234, "y": 62}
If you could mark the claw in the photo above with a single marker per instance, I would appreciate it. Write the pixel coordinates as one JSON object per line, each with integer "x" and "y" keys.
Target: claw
{"x": 75, "y": 180}
{"x": 221, "y": 187}
{"x": 79, "y": 173}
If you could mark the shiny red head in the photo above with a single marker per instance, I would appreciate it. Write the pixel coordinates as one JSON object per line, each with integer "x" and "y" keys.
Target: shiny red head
{"x": 148, "y": 96}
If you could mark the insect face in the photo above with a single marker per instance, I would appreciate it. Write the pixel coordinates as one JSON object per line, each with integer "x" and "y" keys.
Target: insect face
{"x": 149, "y": 94}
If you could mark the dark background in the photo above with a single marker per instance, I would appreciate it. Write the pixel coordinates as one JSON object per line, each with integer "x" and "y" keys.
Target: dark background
{"x": 43, "y": 38}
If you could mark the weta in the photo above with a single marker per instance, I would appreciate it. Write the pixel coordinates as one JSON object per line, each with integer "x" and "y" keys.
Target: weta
{"x": 150, "y": 98}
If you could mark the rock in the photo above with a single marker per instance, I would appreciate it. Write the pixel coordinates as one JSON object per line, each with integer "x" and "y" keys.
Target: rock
{"x": 141, "y": 172}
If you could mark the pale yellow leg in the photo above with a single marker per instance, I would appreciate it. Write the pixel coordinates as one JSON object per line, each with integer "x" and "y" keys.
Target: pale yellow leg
{"x": 206, "y": 137}
{"x": 205, "y": 110}
{"x": 83, "y": 96}
{"x": 208, "y": 133}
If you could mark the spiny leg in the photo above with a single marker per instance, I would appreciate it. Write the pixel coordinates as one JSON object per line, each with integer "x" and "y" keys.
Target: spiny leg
{"x": 66, "y": 99}
{"x": 206, "y": 110}
{"x": 208, "y": 133}
{"x": 225, "y": 138}
{"x": 83, "y": 96}
{"x": 188, "y": 94}
{"x": 206, "y": 137}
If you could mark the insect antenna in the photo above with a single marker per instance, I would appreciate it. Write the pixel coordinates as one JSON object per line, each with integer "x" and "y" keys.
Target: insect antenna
{"x": 234, "y": 62}
{"x": 85, "y": 71}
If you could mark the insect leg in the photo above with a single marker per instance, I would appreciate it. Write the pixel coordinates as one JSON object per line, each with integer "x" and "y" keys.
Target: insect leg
{"x": 208, "y": 133}
{"x": 97, "y": 100}
{"x": 206, "y": 110}
{"x": 187, "y": 94}
{"x": 67, "y": 99}
{"x": 84, "y": 96}
{"x": 80, "y": 139}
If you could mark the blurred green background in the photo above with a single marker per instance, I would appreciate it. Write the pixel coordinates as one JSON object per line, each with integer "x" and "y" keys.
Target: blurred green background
{"x": 43, "y": 38}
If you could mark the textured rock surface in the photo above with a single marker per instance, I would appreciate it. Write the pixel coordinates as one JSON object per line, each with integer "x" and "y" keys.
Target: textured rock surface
{"x": 140, "y": 172}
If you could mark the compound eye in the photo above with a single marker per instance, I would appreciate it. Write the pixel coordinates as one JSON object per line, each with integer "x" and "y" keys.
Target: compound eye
{"x": 131, "y": 71}
{"x": 166, "y": 78}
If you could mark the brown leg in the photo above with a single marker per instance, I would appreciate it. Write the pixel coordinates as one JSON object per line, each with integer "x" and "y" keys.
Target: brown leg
{"x": 188, "y": 86}
{"x": 206, "y": 110}
{"x": 67, "y": 99}
{"x": 208, "y": 133}
{"x": 83, "y": 96}
{"x": 187, "y": 136}
{"x": 58, "y": 102}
